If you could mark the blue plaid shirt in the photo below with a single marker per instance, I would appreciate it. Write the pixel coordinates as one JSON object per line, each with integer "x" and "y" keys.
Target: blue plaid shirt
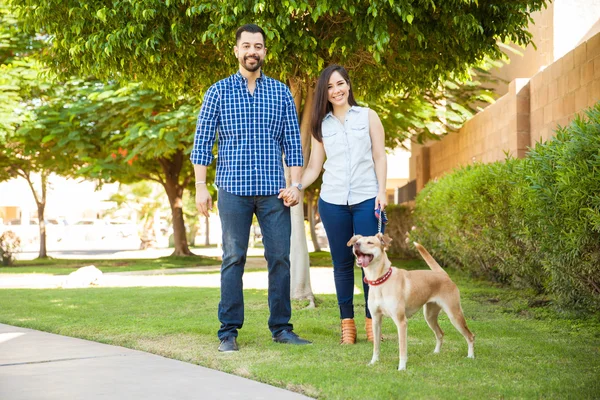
{"x": 254, "y": 131}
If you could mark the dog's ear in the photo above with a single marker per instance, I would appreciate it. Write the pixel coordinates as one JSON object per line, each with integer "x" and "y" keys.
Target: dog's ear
{"x": 353, "y": 240}
{"x": 385, "y": 239}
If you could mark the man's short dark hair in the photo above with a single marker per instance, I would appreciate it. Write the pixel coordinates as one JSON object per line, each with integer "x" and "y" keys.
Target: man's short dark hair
{"x": 252, "y": 28}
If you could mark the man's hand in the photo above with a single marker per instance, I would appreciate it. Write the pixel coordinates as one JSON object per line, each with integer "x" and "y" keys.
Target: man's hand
{"x": 203, "y": 200}
{"x": 290, "y": 196}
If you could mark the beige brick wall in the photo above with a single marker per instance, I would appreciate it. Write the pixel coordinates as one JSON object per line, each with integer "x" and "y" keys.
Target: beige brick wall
{"x": 566, "y": 87}
{"x": 500, "y": 128}
{"x": 527, "y": 114}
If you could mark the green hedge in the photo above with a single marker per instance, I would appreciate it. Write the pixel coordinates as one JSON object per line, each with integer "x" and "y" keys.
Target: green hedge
{"x": 532, "y": 222}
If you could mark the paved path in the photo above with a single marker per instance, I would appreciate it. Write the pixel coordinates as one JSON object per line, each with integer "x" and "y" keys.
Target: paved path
{"x": 43, "y": 366}
{"x": 321, "y": 280}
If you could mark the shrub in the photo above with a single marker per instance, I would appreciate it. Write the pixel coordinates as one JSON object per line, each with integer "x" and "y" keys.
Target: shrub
{"x": 398, "y": 226}
{"x": 465, "y": 219}
{"x": 531, "y": 222}
{"x": 564, "y": 177}
{"x": 10, "y": 244}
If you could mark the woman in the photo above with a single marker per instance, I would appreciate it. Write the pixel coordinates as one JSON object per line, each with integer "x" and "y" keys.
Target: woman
{"x": 348, "y": 142}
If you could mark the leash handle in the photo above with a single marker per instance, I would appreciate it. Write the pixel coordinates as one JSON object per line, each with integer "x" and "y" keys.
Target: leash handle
{"x": 381, "y": 218}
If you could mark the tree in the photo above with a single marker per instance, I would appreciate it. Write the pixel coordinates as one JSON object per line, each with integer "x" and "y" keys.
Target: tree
{"x": 25, "y": 89}
{"x": 402, "y": 47}
{"x": 127, "y": 134}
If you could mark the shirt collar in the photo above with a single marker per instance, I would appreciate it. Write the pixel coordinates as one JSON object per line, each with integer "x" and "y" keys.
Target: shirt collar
{"x": 330, "y": 113}
{"x": 242, "y": 81}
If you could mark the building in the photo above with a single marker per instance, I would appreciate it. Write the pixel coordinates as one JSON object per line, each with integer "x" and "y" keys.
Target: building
{"x": 546, "y": 87}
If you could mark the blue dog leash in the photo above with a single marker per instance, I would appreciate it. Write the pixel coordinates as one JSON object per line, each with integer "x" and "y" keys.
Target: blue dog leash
{"x": 381, "y": 218}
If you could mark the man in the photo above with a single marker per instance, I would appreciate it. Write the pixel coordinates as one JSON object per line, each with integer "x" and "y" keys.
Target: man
{"x": 257, "y": 122}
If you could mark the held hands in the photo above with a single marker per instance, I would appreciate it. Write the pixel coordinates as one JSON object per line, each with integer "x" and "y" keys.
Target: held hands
{"x": 290, "y": 196}
{"x": 203, "y": 200}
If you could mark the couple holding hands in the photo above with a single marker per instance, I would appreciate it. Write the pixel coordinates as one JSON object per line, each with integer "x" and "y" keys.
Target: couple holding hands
{"x": 257, "y": 124}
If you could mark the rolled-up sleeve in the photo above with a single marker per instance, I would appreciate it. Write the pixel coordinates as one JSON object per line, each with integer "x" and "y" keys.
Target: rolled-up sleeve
{"x": 292, "y": 143}
{"x": 206, "y": 128}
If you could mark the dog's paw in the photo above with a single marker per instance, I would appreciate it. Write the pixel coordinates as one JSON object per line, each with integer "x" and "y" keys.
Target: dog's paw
{"x": 402, "y": 368}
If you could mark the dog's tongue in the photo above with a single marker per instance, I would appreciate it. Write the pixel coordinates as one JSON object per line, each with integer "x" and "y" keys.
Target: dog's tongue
{"x": 364, "y": 259}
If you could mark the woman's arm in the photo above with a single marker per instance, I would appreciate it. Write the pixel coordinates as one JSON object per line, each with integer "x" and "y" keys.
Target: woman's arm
{"x": 315, "y": 164}
{"x": 379, "y": 157}
{"x": 312, "y": 171}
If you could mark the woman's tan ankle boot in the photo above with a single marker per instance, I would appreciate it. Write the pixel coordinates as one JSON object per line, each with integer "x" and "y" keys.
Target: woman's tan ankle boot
{"x": 369, "y": 329}
{"x": 348, "y": 331}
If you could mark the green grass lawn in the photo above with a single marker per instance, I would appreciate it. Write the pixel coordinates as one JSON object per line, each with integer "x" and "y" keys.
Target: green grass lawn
{"x": 521, "y": 351}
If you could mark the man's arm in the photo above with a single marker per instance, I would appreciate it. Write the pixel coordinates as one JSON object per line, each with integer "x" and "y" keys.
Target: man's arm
{"x": 203, "y": 198}
{"x": 204, "y": 141}
{"x": 292, "y": 147}
{"x": 292, "y": 144}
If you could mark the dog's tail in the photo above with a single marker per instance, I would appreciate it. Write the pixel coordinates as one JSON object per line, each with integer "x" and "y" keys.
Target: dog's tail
{"x": 429, "y": 259}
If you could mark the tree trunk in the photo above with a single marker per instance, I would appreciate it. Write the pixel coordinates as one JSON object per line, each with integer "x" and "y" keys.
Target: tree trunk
{"x": 299, "y": 261}
{"x": 207, "y": 231}
{"x": 40, "y": 201}
{"x": 41, "y": 207}
{"x": 43, "y": 253}
{"x": 172, "y": 169}
{"x": 310, "y": 202}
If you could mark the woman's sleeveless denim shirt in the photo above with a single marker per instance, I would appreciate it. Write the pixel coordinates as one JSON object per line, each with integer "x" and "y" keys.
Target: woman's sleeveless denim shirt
{"x": 349, "y": 176}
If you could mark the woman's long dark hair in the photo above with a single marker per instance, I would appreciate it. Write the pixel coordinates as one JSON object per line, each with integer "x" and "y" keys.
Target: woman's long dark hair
{"x": 321, "y": 105}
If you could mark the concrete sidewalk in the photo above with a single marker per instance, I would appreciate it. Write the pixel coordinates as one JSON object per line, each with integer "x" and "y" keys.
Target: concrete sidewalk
{"x": 38, "y": 365}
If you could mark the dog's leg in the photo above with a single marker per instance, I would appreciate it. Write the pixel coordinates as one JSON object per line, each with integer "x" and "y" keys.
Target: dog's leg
{"x": 402, "y": 325}
{"x": 455, "y": 313}
{"x": 377, "y": 319}
{"x": 431, "y": 312}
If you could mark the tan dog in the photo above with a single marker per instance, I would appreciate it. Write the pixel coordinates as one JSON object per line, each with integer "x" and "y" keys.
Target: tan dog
{"x": 398, "y": 294}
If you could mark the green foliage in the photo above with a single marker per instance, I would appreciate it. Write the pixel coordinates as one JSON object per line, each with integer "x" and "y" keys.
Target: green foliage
{"x": 27, "y": 87}
{"x": 123, "y": 133}
{"x": 183, "y": 46}
{"x": 17, "y": 75}
{"x": 532, "y": 222}
{"x": 466, "y": 219}
{"x": 400, "y": 223}
{"x": 564, "y": 174}
{"x": 10, "y": 244}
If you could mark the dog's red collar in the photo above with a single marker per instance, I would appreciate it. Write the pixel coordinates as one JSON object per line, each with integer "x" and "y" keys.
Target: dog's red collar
{"x": 380, "y": 280}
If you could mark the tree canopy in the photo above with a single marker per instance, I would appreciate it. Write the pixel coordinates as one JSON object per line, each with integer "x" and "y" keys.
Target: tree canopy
{"x": 185, "y": 45}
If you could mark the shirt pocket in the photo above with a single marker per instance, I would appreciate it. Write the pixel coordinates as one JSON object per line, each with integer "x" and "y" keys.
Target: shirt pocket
{"x": 331, "y": 142}
{"x": 359, "y": 131}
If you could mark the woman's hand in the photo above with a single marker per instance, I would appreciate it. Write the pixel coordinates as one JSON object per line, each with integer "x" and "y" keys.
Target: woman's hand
{"x": 381, "y": 201}
{"x": 290, "y": 196}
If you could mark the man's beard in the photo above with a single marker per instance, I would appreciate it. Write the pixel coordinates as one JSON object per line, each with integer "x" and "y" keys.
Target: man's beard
{"x": 255, "y": 67}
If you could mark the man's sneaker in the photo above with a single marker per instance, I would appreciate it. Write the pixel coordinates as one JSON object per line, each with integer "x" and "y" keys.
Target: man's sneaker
{"x": 289, "y": 337}
{"x": 228, "y": 344}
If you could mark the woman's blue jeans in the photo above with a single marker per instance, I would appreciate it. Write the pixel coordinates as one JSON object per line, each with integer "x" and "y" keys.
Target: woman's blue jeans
{"x": 341, "y": 222}
{"x": 236, "y": 214}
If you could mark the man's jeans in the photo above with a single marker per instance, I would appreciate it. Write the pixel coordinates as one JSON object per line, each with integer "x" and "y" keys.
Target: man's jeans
{"x": 341, "y": 222}
{"x": 236, "y": 214}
